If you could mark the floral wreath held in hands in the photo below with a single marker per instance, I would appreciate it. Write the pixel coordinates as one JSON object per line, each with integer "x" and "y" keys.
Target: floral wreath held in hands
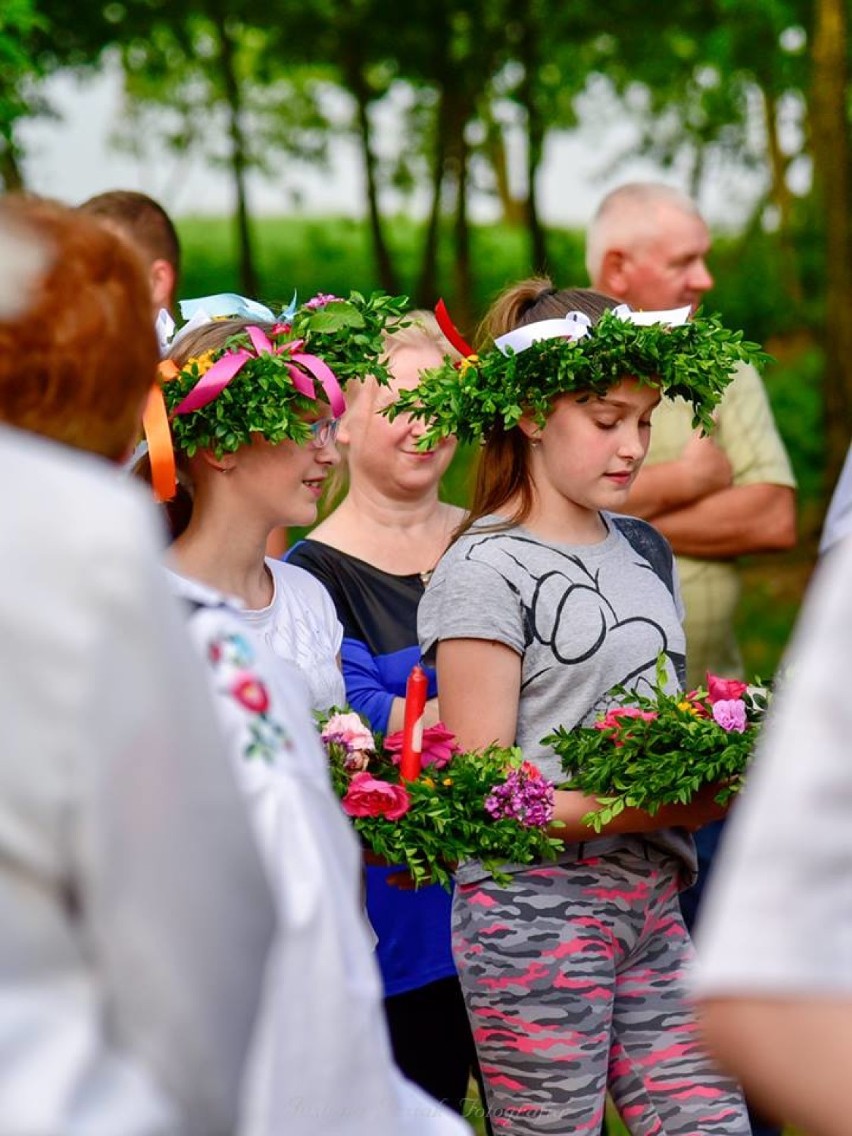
{"x": 529, "y": 367}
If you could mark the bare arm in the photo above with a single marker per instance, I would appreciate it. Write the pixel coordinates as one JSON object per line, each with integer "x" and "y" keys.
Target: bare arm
{"x": 397, "y": 715}
{"x": 572, "y": 806}
{"x": 480, "y": 683}
{"x": 733, "y": 522}
{"x": 792, "y": 1055}
{"x": 701, "y": 469}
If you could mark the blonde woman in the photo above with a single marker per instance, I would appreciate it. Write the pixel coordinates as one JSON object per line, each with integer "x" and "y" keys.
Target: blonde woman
{"x": 375, "y": 554}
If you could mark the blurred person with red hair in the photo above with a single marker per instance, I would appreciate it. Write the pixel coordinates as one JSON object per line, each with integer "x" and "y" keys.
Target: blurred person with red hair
{"x": 136, "y": 919}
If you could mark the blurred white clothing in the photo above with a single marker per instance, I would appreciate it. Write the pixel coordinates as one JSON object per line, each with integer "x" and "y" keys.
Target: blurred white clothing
{"x": 777, "y": 919}
{"x": 324, "y": 1065}
{"x": 135, "y": 915}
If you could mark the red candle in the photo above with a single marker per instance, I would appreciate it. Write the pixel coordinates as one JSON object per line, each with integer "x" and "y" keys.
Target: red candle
{"x": 412, "y": 729}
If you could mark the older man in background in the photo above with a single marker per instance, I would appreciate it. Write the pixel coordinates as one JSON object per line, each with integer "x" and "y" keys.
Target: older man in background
{"x": 716, "y": 498}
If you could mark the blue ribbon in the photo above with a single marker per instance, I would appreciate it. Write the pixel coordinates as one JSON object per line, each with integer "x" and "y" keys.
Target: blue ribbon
{"x": 232, "y": 304}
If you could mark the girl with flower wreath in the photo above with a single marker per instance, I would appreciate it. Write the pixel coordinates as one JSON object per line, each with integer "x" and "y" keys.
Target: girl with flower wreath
{"x": 254, "y": 410}
{"x": 573, "y": 974}
{"x": 254, "y": 456}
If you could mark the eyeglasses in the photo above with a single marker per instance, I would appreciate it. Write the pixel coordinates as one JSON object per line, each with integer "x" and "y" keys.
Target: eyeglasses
{"x": 323, "y": 431}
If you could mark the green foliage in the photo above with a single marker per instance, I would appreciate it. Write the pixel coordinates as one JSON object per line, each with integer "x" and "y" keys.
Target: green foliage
{"x": 446, "y": 822}
{"x": 261, "y": 398}
{"x": 694, "y": 361}
{"x": 664, "y": 758}
{"x": 332, "y": 254}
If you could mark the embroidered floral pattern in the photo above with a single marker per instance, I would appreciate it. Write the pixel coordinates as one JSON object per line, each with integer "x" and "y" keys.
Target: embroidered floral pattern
{"x": 234, "y": 659}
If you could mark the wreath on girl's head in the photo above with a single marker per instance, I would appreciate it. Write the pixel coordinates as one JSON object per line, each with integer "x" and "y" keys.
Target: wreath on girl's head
{"x": 262, "y": 398}
{"x": 694, "y": 360}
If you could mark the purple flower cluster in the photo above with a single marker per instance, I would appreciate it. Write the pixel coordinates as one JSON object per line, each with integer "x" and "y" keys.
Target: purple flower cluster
{"x": 525, "y": 796}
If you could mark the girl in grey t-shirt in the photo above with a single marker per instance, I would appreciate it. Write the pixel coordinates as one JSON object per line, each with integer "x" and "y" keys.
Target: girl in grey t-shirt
{"x": 573, "y": 974}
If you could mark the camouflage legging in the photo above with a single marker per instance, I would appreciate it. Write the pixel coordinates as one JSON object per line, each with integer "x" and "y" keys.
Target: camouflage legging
{"x": 574, "y": 982}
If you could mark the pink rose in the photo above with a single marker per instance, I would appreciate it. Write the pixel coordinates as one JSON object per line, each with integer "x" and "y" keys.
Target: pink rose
{"x": 730, "y": 713}
{"x": 439, "y": 746}
{"x": 251, "y": 693}
{"x": 357, "y": 739}
{"x": 719, "y": 689}
{"x": 367, "y": 796}
{"x": 619, "y": 715}
{"x": 614, "y": 717}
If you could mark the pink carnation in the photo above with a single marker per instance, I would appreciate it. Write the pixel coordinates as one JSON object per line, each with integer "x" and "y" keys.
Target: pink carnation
{"x": 722, "y": 689}
{"x": 730, "y": 713}
{"x": 367, "y": 796}
{"x": 357, "y": 739}
{"x": 439, "y": 746}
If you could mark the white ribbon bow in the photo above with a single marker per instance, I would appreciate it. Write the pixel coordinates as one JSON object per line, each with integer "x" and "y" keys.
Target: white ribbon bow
{"x": 576, "y": 325}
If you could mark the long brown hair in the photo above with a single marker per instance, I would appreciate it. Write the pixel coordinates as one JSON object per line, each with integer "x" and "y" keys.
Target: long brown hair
{"x": 503, "y": 471}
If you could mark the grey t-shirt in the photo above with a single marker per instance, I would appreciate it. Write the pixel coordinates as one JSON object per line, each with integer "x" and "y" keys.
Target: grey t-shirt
{"x": 583, "y": 619}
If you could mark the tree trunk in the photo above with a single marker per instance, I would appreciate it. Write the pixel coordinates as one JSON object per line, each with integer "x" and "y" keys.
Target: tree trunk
{"x": 535, "y": 150}
{"x": 384, "y": 261}
{"x": 528, "y": 57}
{"x": 426, "y": 293}
{"x": 11, "y": 174}
{"x": 831, "y": 152}
{"x": 462, "y": 263}
{"x": 239, "y": 159}
{"x": 782, "y": 198}
{"x": 514, "y": 211}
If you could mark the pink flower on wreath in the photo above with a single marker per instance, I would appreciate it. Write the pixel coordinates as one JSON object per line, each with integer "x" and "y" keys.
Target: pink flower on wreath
{"x": 730, "y": 714}
{"x": 619, "y": 714}
{"x": 367, "y": 796}
{"x": 357, "y": 739}
{"x": 320, "y": 300}
{"x": 439, "y": 746}
{"x": 723, "y": 689}
{"x": 616, "y": 717}
{"x": 250, "y": 692}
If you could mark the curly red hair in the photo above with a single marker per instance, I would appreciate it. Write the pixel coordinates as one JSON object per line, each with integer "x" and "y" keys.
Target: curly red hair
{"x": 76, "y": 363}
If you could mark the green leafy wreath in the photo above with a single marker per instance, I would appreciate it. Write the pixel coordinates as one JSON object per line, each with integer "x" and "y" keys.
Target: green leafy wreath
{"x": 348, "y": 335}
{"x": 695, "y": 361}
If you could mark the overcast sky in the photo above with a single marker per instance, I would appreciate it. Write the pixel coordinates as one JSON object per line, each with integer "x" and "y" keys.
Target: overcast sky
{"x": 71, "y": 158}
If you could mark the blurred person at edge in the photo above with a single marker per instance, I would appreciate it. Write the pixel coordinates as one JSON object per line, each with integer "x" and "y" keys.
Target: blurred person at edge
{"x": 149, "y": 227}
{"x": 838, "y": 519}
{"x": 716, "y": 498}
{"x": 774, "y": 980}
{"x": 374, "y": 554}
{"x": 136, "y": 919}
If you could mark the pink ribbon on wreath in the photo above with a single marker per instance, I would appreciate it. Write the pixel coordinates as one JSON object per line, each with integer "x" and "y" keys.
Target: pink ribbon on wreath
{"x": 305, "y": 370}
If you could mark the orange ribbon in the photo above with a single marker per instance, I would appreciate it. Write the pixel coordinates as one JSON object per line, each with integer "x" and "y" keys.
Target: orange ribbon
{"x": 155, "y": 424}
